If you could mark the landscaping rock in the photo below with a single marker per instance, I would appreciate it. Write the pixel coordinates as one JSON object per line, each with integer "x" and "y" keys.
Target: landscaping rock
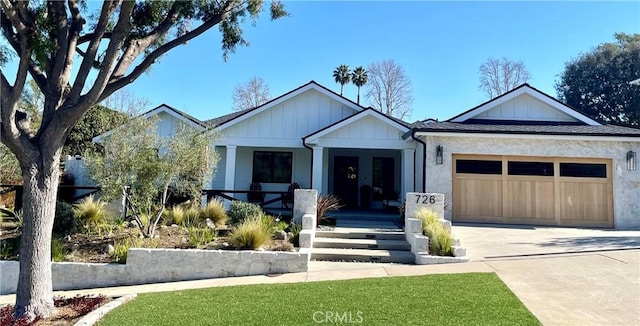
{"x": 210, "y": 224}
{"x": 110, "y": 249}
{"x": 75, "y": 246}
{"x": 280, "y": 235}
{"x": 67, "y": 239}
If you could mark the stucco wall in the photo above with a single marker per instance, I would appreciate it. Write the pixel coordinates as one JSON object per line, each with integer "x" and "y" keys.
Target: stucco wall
{"x": 163, "y": 265}
{"x": 626, "y": 184}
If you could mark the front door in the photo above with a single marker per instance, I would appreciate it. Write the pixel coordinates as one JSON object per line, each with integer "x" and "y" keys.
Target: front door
{"x": 345, "y": 180}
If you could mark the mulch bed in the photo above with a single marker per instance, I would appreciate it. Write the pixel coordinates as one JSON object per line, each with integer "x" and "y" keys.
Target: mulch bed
{"x": 68, "y": 311}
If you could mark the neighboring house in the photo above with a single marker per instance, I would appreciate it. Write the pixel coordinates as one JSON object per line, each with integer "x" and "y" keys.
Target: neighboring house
{"x": 522, "y": 158}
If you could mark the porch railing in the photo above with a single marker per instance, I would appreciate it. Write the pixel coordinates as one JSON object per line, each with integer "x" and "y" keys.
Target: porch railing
{"x": 65, "y": 193}
{"x": 285, "y": 197}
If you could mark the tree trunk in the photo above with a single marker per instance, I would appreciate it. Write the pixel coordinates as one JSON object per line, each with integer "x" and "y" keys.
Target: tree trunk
{"x": 34, "y": 295}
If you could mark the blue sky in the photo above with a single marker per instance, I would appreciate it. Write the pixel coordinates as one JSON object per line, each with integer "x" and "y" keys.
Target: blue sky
{"x": 441, "y": 45}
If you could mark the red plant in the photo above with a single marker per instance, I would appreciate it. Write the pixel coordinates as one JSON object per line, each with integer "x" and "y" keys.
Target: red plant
{"x": 82, "y": 305}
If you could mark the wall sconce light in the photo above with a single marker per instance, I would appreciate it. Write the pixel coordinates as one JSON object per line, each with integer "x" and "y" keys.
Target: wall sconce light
{"x": 631, "y": 160}
{"x": 439, "y": 151}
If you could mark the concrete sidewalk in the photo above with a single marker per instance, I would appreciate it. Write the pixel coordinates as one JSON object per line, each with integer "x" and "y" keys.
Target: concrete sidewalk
{"x": 318, "y": 271}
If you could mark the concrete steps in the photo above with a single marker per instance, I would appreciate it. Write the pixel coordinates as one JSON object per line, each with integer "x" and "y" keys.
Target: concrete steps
{"x": 362, "y": 245}
{"x": 363, "y": 255}
{"x": 362, "y": 233}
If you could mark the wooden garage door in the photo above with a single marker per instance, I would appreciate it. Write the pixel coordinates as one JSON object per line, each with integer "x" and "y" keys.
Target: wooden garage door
{"x": 532, "y": 190}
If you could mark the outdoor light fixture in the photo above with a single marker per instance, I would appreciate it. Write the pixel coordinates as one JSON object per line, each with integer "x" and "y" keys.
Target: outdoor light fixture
{"x": 439, "y": 154}
{"x": 631, "y": 160}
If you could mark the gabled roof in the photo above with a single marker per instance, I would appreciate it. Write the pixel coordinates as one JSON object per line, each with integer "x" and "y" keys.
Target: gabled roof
{"x": 465, "y": 123}
{"x": 228, "y": 120}
{"x": 398, "y": 124}
{"x": 529, "y": 90}
{"x": 158, "y": 109}
{"x": 540, "y": 129}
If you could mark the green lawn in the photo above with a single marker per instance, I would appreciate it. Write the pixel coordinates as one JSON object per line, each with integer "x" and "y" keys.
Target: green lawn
{"x": 456, "y": 299}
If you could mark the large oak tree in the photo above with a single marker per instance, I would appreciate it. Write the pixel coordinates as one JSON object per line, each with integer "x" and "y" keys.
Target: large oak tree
{"x": 77, "y": 61}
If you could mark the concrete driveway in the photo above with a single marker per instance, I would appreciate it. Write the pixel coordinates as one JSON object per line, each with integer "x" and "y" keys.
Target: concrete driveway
{"x": 493, "y": 241}
{"x": 565, "y": 276}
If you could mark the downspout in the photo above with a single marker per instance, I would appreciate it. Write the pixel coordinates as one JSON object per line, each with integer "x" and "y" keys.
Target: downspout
{"x": 311, "y": 165}
{"x": 424, "y": 159}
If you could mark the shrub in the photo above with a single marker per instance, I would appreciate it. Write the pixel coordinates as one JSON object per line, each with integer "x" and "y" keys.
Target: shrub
{"x": 215, "y": 211}
{"x": 121, "y": 247}
{"x": 90, "y": 212}
{"x": 240, "y": 211}
{"x": 57, "y": 250}
{"x": 268, "y": 224}
{"x": 295, "y": 229}
{"x": 427, "y": 216}
{"x": 173, "y": 215}
{"x": 65, "y": 221}
{"x": 327, "y": 203}
{"x": 192, "y": 217}
{"x": 281, "y": 225}
{"x": 250, "y": 234}
{"x": 440, "y": 240}
{"x": 200, "y": 236}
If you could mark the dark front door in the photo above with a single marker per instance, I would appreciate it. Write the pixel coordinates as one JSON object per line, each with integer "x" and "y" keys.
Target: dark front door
{"x": 345, "y": 180}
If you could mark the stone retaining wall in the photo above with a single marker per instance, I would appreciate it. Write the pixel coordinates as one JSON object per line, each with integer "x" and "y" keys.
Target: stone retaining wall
{"x": 163, "y": 265}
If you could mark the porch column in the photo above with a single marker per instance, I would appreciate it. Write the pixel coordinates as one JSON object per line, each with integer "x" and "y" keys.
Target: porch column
{"x": 230, "y": 168}
{"x": 408, "y": 171}
{"x": 316, "y": 173}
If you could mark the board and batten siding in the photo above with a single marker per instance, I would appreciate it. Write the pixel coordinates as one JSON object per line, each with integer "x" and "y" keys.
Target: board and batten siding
{"x": 167, "y": 125}
{"x": 525, "y": 107}
{"x": 626, "y": 184}
{"x": 367, "y": 132}
{"x": 286, "y": 123}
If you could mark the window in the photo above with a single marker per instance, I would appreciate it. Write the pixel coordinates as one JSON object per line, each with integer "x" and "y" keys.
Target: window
{"x": 478, "y": 167}
{"x": 272, "y": 167}
{"x": 383, "y": 179}
{"x": 530, "y": 168}
{"x": 583, "y": 170}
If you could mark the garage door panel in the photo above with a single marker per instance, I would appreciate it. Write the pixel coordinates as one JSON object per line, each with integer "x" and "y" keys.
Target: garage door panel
{"x": 533, "y": 190}
{"x": 582, "y": 201}
{"x": 477, "y": 198}
{"x": 531, "y": 199}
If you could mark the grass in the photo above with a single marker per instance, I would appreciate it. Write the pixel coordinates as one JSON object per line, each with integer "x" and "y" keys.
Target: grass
{"x": 454, "y": 299}
{"x": 215, "y": 211}
{"x": 250, "y": 234}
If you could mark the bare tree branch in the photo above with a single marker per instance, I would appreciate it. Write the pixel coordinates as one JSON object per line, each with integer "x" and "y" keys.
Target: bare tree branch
{"x": 498, "y": 76}
{"x": 250, "y": 94}
{"x": 389, "y": 89}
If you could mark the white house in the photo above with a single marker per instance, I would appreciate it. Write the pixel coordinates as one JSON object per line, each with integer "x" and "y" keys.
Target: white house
{"x": 521, "y": 158}
{"x": 526, "y": 158}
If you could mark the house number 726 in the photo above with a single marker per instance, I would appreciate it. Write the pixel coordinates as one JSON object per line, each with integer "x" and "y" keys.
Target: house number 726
{"x": 426, "y": 199}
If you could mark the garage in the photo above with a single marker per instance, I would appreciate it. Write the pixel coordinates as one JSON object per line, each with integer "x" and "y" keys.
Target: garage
{"x": 533, "y": 190}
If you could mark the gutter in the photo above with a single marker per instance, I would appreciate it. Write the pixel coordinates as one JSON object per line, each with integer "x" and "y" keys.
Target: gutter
{"x": 424, "y": 159}
{"x": 310, "y": 167}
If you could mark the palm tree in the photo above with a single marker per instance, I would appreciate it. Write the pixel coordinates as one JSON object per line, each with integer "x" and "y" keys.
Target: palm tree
{"x": 342, "y": 76}
{"x": 359, "y": 78}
